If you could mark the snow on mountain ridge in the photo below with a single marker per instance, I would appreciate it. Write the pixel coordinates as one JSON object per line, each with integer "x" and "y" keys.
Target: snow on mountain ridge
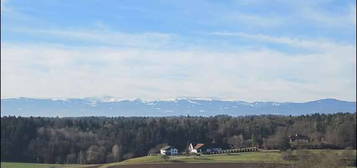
{"x": 109, "y": 106}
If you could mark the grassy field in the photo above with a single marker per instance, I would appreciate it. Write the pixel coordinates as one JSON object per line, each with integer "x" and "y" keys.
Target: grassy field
{"x": 262, "y": 157}
{"x": 37, "y": 165}
{"x": 268, "y": 156}
{"x": 248, "y": 157}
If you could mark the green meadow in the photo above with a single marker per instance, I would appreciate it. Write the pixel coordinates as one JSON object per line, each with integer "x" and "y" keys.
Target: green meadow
{"x": 245, "y": 157}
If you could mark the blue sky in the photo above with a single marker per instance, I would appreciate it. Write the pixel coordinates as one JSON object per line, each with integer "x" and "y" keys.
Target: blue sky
{"x": 236, "y": 49}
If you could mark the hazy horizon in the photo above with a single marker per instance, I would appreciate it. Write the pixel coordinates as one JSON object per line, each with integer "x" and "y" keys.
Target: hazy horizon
{"x": 116, "y": 99}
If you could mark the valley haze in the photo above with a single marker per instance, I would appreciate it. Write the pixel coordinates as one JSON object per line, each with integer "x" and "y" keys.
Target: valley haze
{"x": 110, "y": 106}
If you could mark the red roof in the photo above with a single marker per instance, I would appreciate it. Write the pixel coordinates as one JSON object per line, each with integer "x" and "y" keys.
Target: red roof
{"x": 198, "y": 146}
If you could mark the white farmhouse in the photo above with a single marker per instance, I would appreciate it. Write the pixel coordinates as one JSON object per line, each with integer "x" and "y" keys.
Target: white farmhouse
{"x": 168, "y": 150}
{"x": 203, "y": 148}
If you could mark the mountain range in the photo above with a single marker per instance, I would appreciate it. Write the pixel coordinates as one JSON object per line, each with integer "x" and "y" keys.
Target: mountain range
{"x": 109, "y": 106}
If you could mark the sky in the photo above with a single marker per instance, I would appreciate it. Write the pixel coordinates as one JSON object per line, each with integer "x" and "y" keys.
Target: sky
{"x": 250, "y": 50}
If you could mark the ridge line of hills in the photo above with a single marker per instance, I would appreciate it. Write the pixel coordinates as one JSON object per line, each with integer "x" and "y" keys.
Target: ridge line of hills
{"x": 109, "y": 106}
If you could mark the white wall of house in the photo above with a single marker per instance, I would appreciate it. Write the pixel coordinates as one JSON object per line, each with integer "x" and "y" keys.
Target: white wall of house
{"x": 171, "y": 151}
{"x": 191, "y": 149}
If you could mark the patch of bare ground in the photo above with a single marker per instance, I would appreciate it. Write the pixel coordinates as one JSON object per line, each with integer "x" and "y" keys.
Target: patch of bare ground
{"x": 206, "y": 165}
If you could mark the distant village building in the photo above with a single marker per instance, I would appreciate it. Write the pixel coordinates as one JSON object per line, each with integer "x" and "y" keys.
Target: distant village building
{"x": 168, "y": 150}
{"x": 297, "y": 138}
{"x": 203, "y": 148}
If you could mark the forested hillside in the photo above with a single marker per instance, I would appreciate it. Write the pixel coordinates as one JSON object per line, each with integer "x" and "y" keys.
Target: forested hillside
{"x": 104, "y": 139}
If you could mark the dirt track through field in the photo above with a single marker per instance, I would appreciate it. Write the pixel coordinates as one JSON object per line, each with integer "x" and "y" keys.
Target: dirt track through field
{"x": 206, "y": 165}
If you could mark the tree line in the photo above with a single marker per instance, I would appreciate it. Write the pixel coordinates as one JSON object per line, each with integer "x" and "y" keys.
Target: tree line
{"x": 107, "y": 139}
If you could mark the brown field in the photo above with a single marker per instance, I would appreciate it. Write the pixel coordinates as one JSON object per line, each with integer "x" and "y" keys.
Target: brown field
{"x": 206, "y": 165}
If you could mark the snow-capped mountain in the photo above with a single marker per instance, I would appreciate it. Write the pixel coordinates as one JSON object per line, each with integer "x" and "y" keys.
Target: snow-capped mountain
{"x": 110, "y": 106}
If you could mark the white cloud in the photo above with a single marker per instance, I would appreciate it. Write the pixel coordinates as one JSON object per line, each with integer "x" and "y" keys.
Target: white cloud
{"x": 315, "y": 44}
{"x": 319, "y": 13}
{"x": 104, "y": 36}
{"x": 43, "y": 70}
{"x": 323, "y": 17}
